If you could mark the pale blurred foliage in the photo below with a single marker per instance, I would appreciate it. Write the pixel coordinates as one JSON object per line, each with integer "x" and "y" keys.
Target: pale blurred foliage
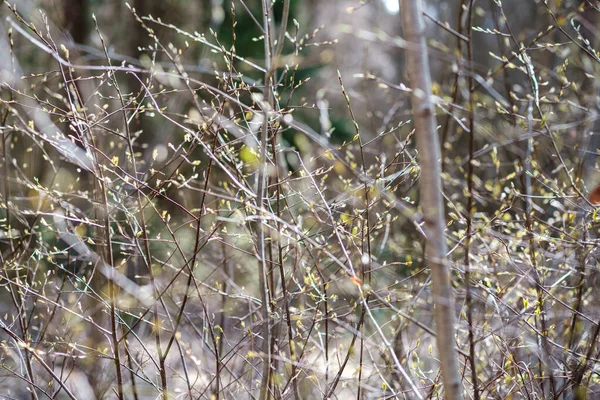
{"x": 319, "y": 218}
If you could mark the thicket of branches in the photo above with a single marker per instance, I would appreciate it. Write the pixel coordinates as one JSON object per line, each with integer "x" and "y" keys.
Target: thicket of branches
{"x": 221, "y": 200}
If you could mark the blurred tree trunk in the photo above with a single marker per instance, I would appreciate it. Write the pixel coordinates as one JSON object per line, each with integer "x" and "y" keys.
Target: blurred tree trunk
{"x": 431, "y": 192}
{"x": 76, "y": 15}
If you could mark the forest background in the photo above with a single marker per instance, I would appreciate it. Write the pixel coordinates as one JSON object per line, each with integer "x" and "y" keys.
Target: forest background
{"x": 223, "y": 198}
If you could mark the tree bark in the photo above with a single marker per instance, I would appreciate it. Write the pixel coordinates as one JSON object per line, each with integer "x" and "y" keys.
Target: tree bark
{"x": 431, "y": 192}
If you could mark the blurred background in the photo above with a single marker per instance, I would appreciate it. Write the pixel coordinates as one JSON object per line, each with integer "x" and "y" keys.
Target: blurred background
{"x": 131, "y": 235}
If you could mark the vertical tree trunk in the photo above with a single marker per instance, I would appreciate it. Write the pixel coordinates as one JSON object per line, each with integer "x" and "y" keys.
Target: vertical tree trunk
{"x": 431, "y": 192}
{"x": 76, "y": 15}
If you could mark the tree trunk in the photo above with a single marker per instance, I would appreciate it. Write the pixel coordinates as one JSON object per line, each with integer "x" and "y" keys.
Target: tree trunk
{"x": 431, "y": 192}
